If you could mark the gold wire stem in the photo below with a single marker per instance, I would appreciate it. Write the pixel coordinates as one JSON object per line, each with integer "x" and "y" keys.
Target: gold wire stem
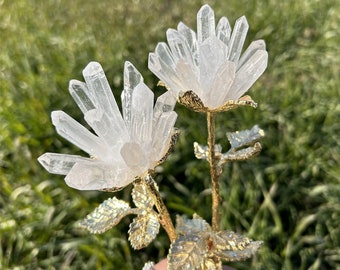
{"x": 214, "y": 172}
{"x": 163, "y": 213}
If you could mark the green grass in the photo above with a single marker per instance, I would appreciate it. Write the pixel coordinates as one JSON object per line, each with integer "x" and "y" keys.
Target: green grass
{"x": 289, "y": 196}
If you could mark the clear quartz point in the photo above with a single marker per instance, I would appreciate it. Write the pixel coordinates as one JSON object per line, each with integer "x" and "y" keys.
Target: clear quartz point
{"x": 205, "y": 23}
{"x": 59, "y": 163}
{"x": 237, "y": 39}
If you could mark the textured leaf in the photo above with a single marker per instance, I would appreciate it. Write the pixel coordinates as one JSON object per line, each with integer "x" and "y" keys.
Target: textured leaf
{"x": 187, "y": 252}
{"x": 245, "y": 137}
{"x": 242, "y": 154}
{"x": 106, "y": 215}
{"x": 231, "y": 246}
{"x": 143, "y": 230}
{"x": 141, "y": 196}
{"x": 191, "y": 226}
{"x": 202, "y": 151}
{"x": 233, "y": 104}
{"x": 170, "y": 145}
{"x": 239, "y": 255}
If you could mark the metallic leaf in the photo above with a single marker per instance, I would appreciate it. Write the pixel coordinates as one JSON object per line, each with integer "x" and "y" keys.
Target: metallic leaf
{"x": 202, "y": 151}
{"x": 186, "y": 226}
{"x": 187, "y": 252}
{"x": 192, "y": 101}
{"x": 141, "y": 196}
{"x": 239, "y": 255}
{"x": 247, "y": 137}
{"x": 231, "y": 246}
{"x": 243, "y": 154}
{"x": 233, "y": 104}
{"x": 143, "y": 230}
{"x": 106, "y": 215}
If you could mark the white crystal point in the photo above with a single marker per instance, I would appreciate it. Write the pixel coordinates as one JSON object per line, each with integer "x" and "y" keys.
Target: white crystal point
{"x": 141, "y": 114}
{"x": 59, "y": 163}
{"x": 81, "y": 95}
{"x": 162, "y": 131}
{"x": 179, "y": 47}
{"x": 99, "y": 88}
{"x": 220, "y": 88}
{"x": 251, "y": 50}
{"x": 134, "y": 157}
{"x": 164, "y": 103}
{"x": 92, "y": 175}
{"x": 223, "y": 30}
{"x": 249, "y": 73}
{"x": 132, "y": 77}
{"x": 191, "y": 39}
{"x": 77, "y": 134}
{"x": 237, "y": 39}
{"x": 205, "y": 23}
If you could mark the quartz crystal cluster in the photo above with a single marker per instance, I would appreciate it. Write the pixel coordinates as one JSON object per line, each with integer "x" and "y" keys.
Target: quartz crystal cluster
{"x": 209, "y": 62}
{"x": 125, "y": 145}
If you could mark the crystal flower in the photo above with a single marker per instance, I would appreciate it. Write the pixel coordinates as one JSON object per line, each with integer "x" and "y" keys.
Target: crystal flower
{"x": 124, "y": 146}
{"x": 209, "y": 63}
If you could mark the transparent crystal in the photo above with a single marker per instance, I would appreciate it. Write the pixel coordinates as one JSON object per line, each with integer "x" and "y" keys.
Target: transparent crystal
{"x": 237, "y": 39}
{"x": 124, "y": 148}
{"x": 205, "y": 23}
{"x": 59, "y": 163}
{"x": 208, "y": 71}
{"x": 77, "y": 134}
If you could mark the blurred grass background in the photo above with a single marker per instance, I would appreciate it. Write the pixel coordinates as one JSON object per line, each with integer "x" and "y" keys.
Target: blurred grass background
{"x": 289, "y": 196}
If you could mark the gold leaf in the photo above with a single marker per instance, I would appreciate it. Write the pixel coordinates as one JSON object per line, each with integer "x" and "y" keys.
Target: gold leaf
{"x": 192, "y": 101}
{"x": 141, "y": 196}
{"x": 243, "y": 154}
{"x": 143, "y": 230}
{"x": 233, "y": 104}
{"x": 106, "y": 215}
{"x": 231, "y": 246}
{"x": 188, "y": 226}
{"x": 170, "y": 145}
{"x": 187, "y": 252}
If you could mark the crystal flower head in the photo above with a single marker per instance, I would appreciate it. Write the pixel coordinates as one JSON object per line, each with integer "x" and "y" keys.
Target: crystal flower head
{"x": 124, "y": 146}
{"x": 209, "y": 64}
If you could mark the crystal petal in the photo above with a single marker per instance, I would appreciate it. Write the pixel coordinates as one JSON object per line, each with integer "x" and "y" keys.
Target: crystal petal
{"x": 81, "y": 95}
{"x": 141, "y": 114}
{"x": 205, "y": 23}
{"x": 164, "y": 53}
{"x": 164, "y": 103}
{"x": 179, "y": 47}
{"x": 102, "y": 126}
{"x": 220, "y": 87}
{"x": 237, "y": 39}
{"x": 223, "y": 30}
{"x": 100, "y": 89}
{"x": 134, "y": 157}
{"x": 249, "y": 73}
{"x": 132, "y": 78}
{"x": 162, "y": 131}
{"x": 97, "y": 175}
{"x": 188, "y": 77}
{"x": 164, "y": 73}
{"x": 190, "y": 37}
{"x": 59, "y": 163}
{"x": 77, "y": 134}
{"x": 251, "y": 50}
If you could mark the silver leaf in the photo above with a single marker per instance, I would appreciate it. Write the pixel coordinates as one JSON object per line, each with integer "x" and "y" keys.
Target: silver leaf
{"x": 243, "y": 138}
{"x": 243, "y": 154}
